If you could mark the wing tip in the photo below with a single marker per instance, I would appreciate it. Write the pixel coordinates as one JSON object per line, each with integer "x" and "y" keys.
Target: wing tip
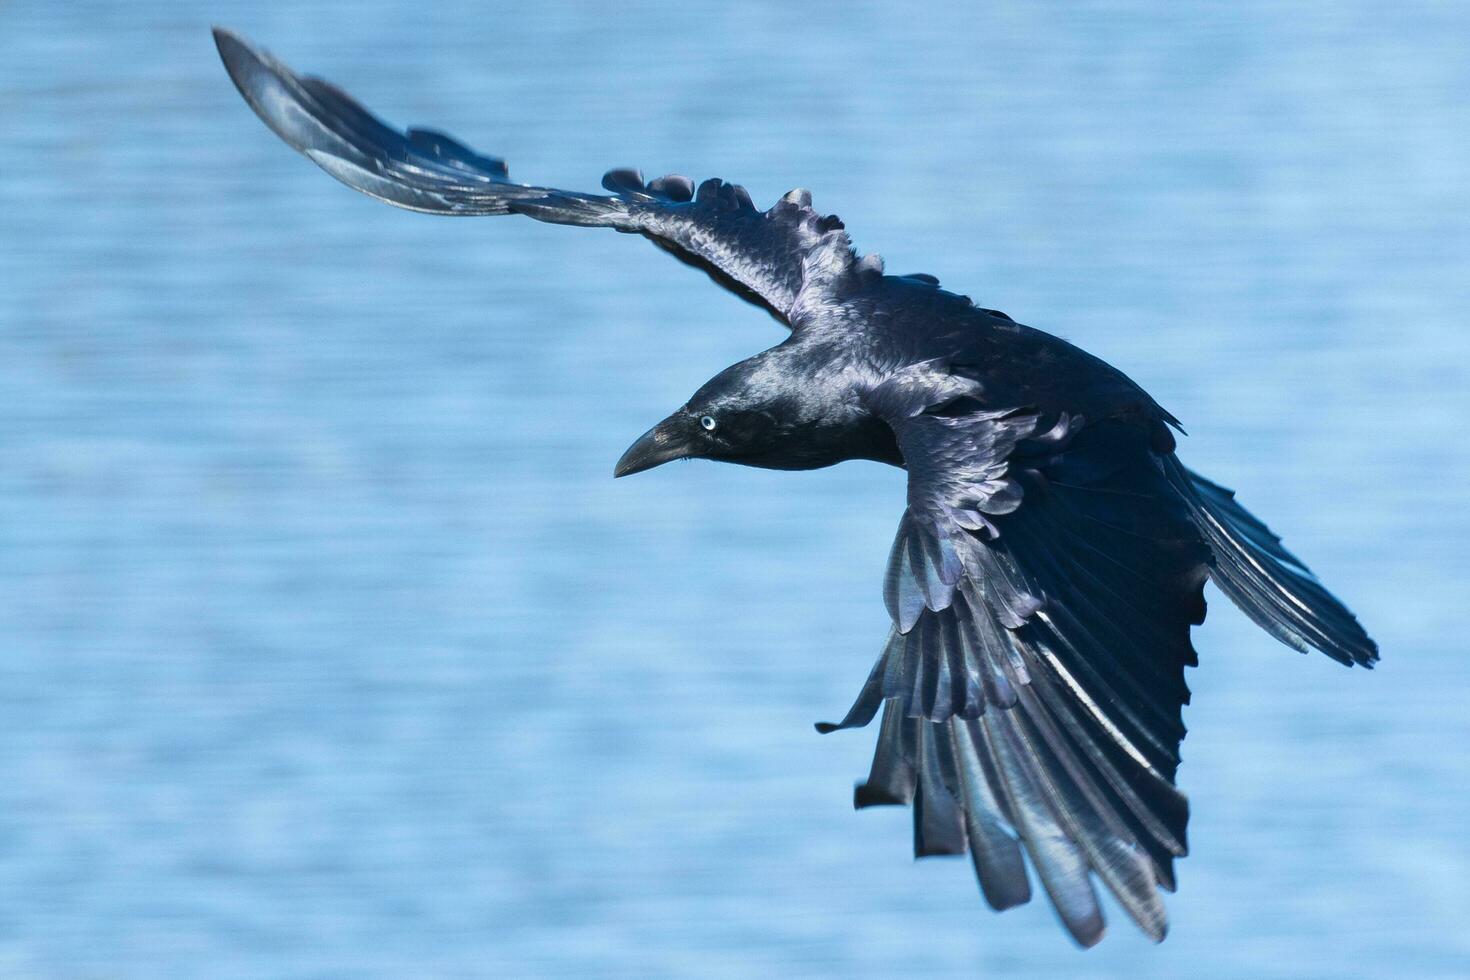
{"x": 266, "y": 85}
{"x": 1087, "y": 931}
{"x": 224, "y": 36}
{"x": 237, "y": 53}
{"x": 867, "y": 794}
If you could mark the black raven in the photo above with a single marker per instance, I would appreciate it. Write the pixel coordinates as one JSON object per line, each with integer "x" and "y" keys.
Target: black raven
{"x": 1053, "y": 554}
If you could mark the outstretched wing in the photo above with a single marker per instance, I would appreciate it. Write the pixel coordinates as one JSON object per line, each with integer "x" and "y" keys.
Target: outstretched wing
{"x": 1042, "y": 587}
{"x": 766, "y": 257}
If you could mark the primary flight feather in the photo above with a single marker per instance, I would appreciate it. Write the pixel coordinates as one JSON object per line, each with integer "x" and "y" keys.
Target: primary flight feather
{"x": 1052, "y": 556}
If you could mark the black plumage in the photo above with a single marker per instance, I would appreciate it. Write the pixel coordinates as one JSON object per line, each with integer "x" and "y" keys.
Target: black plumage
{"x": 1050, "y": 562}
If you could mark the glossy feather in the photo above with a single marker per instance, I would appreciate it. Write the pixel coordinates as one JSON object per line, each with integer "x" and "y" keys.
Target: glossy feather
{"x": 1050, "y": 560}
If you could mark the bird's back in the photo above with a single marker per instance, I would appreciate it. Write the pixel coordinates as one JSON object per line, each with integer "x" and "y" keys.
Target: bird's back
{"x": 907, "y": 320}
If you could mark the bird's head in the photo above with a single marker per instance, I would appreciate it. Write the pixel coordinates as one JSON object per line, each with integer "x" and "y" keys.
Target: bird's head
{"x": 745, "y": 414}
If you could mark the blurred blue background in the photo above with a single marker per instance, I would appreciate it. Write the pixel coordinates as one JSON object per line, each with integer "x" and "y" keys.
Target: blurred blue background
{"x": 332, "y": 649}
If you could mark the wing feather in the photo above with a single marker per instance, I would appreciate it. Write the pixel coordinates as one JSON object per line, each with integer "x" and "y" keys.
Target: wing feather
{"x": 1038, "y": 675}
{"x": 1041, "y": 681}
{"x": 771, "y": 258}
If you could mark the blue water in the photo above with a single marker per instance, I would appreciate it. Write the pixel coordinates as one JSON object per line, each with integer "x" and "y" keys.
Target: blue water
{"x": 331, "y": 648}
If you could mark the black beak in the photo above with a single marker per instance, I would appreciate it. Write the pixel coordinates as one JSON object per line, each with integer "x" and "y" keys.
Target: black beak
{"x": 664, "y": 442}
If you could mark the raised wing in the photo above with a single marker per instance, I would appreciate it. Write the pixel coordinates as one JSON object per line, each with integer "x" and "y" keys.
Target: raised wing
{"x": 1042, "y": 587}
{"x": 769, "y": 258}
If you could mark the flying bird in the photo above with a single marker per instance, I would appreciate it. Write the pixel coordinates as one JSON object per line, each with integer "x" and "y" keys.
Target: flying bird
{"x": 1052, "y": 555}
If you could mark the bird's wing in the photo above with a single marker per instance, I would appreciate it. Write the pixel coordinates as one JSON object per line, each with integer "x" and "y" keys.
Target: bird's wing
{"x": 766, "y": 257}
{"x": 1042, "y": 587}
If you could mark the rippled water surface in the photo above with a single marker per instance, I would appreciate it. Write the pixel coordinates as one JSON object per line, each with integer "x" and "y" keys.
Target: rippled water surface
{"x": 330, "y": 648}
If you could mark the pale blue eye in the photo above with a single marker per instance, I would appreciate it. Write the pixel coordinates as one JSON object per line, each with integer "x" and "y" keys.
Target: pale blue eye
{"x": 709, "y": 423}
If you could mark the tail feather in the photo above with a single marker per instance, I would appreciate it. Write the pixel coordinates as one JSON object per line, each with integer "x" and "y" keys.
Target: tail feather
{"x": 1270, "y": 584}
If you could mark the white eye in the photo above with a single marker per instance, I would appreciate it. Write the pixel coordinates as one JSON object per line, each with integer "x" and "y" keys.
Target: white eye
{"x": 709, "y": 423}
